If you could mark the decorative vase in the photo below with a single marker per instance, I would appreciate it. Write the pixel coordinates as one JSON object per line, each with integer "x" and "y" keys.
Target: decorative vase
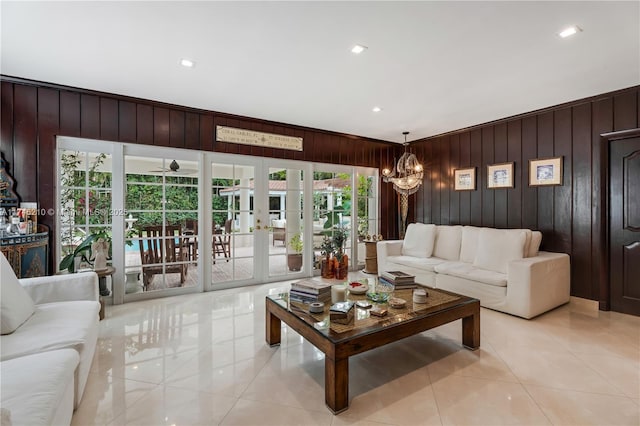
{"x": 327, "y": 269}
{"x": 342, "y": 268}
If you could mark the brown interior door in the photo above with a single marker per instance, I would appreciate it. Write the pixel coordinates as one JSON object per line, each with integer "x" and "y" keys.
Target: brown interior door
{"x": 624, "y": 225}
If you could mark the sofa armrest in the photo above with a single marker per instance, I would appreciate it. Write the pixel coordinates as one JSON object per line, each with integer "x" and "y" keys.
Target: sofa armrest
{"x": 386, "y": 249}
{"x": 537, "y": 284}
{"x": 62, "y": 288}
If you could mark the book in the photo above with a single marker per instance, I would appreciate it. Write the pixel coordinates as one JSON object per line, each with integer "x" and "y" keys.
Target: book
{"x": 303, "y": 297}
{"x": 312, "y": 287}
{"x": 397, "y": 277}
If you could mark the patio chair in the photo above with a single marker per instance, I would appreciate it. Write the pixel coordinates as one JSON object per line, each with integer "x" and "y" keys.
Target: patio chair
{"x": 159, "y": 249}
{"x": 222, "y": 241}
{"x": 190, "y": 230}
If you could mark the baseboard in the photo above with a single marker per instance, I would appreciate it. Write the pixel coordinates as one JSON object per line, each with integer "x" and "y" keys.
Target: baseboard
{"x": 582, "y": 303}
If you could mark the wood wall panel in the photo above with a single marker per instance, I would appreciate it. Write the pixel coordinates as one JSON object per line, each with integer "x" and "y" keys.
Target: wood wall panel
{"x": 6, "y": 123}
{"x": 602, "y": 122}
{"x": 488, "y": 195}
{"x": 48, "y": 126}
{"x": 161, "y": 125}
{"x": 70, "y": 114}
{"x": 144, "y": 124}
{"x": 89, "y": 116}
{"x": 562, "y": 199}
{"x": 569, "y": 215}
{"x": 108, "y": 119}
{"x": 481, "y": 179}
{"x": 25, "y": 141}
{"x": 581, "y": 208}
{"x": 454, "y": 163}
{"x": 529, "y": 152}
{"x": 176, "y": 129}
{"x": 624, "y": 114}
{"x": 500, "y": 155}
{"x": 514, "y": 154}
{"x": 465, "y": 162}
{"x": 126, "y": 121}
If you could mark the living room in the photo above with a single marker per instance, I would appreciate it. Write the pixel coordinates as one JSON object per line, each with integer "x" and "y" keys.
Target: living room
{"x": 200, "y": 358}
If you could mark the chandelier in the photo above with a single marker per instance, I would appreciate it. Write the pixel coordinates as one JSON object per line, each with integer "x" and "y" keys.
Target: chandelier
{"x": 407, "y": 174}
{"x": 406, "y": 177}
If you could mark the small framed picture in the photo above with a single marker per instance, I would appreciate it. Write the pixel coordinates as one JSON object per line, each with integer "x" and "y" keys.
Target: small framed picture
{"x": 464, "y": 179}
{"x": 500, "y": 175}
{"x": 545, "y": 171}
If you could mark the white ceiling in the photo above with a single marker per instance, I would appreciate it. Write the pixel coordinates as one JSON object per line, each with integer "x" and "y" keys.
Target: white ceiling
{"x": 432, "y": 66}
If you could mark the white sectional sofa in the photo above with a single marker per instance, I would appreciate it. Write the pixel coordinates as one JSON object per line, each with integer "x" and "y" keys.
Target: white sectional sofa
{"x": 501, "y": 267}
{"x": 52, "y": 322}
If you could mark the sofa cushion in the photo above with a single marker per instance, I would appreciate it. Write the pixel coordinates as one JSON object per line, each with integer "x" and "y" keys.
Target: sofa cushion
{"x": 278, "y": 223}
{"x": 496, "y": 247}
{"x": 447, "y": 245}
{"x": 58, "y": 325}
{"x": 469, "y": 243}
{"x": 534, "y": 245}
{"x": 38, "y": 389}
{"x": 424, "y": 264}
{"x": 469, "y": 272}
{"x": 418, "y": 240}
{"x": 15, "y": 304}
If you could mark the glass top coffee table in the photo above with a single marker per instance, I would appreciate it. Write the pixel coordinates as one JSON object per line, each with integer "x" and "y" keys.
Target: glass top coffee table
{"x": 339, "y": 341}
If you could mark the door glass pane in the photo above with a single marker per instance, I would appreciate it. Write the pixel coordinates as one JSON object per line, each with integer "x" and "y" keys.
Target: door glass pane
{"x": 331, "y": 214}
{"x": 161, "y": 203}
{"x": 286, "y": 198}
{"x": 85, "y": 201}
{"x": 232, "y": 188}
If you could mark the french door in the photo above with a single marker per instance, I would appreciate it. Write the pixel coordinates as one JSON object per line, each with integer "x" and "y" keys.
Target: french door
{"x": 257, "y": 217}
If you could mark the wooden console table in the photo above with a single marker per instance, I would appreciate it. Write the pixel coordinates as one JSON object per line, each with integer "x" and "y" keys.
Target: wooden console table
{"x": 27, "y": 254}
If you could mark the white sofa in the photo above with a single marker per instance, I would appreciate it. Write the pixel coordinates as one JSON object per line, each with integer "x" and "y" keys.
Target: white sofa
{"x": 501, "y": 267}
{"x": 42, "y": 320}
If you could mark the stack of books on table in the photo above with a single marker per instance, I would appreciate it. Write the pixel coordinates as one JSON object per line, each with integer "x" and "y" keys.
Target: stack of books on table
{"x": 342, "y": 312}
{"x": 400, "y": 280}
{"x": 307, "y": 291}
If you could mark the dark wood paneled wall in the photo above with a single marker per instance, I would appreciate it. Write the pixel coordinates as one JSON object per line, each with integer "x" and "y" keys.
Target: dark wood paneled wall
{"x": 34, "y": 113}
{"x": 568, "y": 215}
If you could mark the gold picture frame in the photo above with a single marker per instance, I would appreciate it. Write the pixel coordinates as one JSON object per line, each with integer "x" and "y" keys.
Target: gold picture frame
{"x": 464, "y": 179}
{"x": 500, "y": 175}
{"x": 545, "y": 171}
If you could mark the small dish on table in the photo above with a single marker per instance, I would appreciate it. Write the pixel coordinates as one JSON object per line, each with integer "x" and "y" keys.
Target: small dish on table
{"x": 358, "y": 287}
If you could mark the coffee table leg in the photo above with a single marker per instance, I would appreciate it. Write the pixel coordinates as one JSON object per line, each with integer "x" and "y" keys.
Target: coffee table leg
{"x": 273, "y": 326}
{"x": 471, "y": 330}
{"x": 336, "y": 384}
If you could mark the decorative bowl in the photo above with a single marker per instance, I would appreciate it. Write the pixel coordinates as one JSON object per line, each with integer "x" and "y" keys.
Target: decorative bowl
{"x": 378, "y": 297}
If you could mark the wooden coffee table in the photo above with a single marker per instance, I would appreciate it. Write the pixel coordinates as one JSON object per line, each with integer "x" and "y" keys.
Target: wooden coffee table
{"x": 339, "y": 342}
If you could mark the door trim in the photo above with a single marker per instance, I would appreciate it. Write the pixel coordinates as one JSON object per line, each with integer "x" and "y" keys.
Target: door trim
{"x": 605, "y": 141}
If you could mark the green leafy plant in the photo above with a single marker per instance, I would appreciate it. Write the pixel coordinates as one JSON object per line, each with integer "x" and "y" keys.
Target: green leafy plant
{"x": 327, "y": 246}
{"x": 83, "y": 250}
{"x": 296, "y": 243}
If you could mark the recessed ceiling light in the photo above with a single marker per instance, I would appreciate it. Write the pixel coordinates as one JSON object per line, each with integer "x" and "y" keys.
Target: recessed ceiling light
{"x": 188, "y": 63}
{"x": 376, "y": 109}
{"x": 569, "y": 31}
{"x": 357, "y": 49}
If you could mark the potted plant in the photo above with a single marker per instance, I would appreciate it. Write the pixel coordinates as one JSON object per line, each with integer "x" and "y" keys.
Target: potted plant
{"x": 340, "y": 235}
{"x": 294, "y": 257}
{"x": 327, "y": 269}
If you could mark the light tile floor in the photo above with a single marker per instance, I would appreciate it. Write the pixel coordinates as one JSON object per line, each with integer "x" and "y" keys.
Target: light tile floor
{"x": 202, "y": 360}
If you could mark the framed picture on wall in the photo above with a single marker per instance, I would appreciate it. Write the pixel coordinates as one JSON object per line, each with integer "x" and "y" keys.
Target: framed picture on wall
{"x": 464, "y": 179}
{"x": 545, "y": 171}
{"x": 500, "y": 175}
